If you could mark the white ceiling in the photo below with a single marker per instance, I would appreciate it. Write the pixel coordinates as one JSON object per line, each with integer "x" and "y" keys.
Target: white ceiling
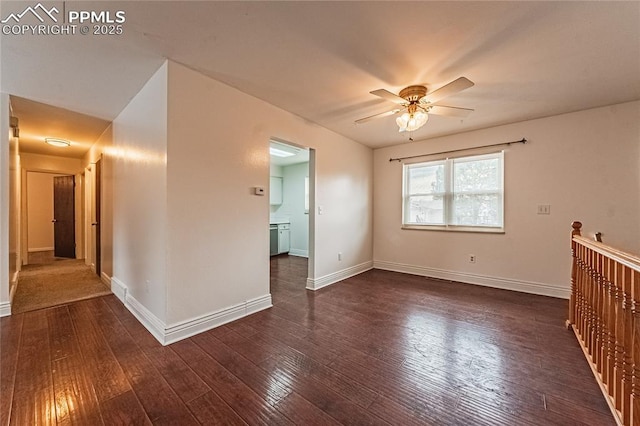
{"x": 320, "y": 60}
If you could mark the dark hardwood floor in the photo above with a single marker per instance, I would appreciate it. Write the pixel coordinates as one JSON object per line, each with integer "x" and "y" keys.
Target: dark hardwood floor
{"x": 378, "y": 348}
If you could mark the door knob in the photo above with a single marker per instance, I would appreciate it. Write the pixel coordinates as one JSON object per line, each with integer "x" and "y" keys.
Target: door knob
{"x": 94, "y": 224}
{"x": 54, "y": 221}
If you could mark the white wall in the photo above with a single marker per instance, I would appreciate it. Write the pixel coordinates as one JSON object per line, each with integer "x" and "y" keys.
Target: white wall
{"x": 584, "y": 164}
{"x": 292, "y": 207}
{"x": 274, "y": 171}
{"x": 218, "y": 234}
{"x": 140, "y": 199}
{"x": 5, "y": 308}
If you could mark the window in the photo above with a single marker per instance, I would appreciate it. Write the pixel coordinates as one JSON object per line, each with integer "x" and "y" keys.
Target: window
{"x": 458, "y": 194}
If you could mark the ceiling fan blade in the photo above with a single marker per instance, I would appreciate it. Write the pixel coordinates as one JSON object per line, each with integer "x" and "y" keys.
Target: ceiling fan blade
{"x": 448, "y": 111}
{"x": 455, "y": 86}
{"x": 382, "y": 114}
{"x": 389, "y": 96}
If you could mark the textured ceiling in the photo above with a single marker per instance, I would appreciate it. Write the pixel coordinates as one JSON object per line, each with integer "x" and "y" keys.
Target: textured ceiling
{"x": 320, "y": 60}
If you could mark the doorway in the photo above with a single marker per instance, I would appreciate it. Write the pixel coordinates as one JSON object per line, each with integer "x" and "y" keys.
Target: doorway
{"x": 52, "y": 273}
{"x": 291, "y": 200}
{"x": 50, "y": 214}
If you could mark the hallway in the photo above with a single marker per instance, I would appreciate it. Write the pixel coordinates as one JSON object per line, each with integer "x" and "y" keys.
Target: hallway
{"x": 49, "y": 281}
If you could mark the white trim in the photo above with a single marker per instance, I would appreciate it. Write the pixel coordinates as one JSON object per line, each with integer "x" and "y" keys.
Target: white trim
{"x": 167, "y": 334}
{"x": 483, "y": 280}
{"x": 299, "y": 253}
{"x": 5, "y": 309}
{"x": 191, "y": 327}
{"x": 119, "y": 289}
{"x": 106, "y": 279}
{"x": 259, "y": 304}
{"x": 334, "y": 277}
{"x": 38, "y": 249}
{"x": 152, "y": 323}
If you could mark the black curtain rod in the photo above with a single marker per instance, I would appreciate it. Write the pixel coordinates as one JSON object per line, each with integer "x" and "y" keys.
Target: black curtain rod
{"x": 523, "y": 140}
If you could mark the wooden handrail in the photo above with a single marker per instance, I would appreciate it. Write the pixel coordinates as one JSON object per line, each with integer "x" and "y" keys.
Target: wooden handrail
{"x": 620, "y": 256}
{"x": 604, "y": 313}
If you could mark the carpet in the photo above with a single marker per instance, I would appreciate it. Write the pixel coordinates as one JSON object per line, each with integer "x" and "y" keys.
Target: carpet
{"x": 56, "y": 283}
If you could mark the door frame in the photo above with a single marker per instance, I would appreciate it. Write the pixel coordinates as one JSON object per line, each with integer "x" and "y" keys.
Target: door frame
{"x": 97, "y": 215}
{"x": 78, "y": 207}
{"x": 311, "y": 249}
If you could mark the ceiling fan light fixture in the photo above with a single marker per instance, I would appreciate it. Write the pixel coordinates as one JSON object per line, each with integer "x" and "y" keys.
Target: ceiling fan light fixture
{"x": 61, "y": 143}
{"x": 410, "y": 121}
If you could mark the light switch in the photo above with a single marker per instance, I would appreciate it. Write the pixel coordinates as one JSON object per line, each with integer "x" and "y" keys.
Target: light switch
{"x": 259, "y": 190}
{"x": 320, "y": 210}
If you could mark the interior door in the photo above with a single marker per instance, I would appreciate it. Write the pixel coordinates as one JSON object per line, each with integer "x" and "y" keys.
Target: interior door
{"x": 96, "y": 223}
{"x": 64, "y": 233}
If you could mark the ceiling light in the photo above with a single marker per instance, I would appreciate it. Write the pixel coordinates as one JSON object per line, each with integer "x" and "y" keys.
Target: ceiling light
{"x": 280, "y": 153}
{"x": 282, "y": 150}
{"x": 57, "y": 142}
{"x": 412, "y": 119}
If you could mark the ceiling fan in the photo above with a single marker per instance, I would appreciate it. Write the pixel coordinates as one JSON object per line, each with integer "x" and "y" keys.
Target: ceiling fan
{"x": 416, "y": 104}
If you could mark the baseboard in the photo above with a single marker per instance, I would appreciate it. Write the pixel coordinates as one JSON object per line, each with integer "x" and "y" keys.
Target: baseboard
{"x": 5, "y": 309}
{"x": 119, "y": 289}
{"x": 185, "y": 329}
{"x": 318, "y": 283}
{"x": 106, "y": 279}
{"x": 152, "y": 323}
{"x": 259, "y": 304}
{"x": 167, "y": 334}
{"x": 483, "y": 280}
{"x": 299, "y": 253}
{"x": 38, "y": 249}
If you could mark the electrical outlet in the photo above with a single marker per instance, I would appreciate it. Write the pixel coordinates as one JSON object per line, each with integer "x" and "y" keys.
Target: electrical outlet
{"x": 544, "y": 209}
{"x": 339, "y": 256}
{"x": 472, "y": 258}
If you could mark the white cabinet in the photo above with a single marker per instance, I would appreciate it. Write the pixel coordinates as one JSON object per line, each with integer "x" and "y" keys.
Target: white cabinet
{"x": 275, "y": 190}
{"x": 284, "y": 238}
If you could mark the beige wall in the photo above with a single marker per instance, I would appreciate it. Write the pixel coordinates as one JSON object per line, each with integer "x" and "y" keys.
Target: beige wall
{"x": 584, "y": 164}
{"x": 140, "y": 200}
{"x": 218, "y": 233}
{"x": 190, "y": 239}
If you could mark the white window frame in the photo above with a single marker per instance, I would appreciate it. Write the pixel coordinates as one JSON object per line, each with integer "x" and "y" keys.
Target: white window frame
{"x": 449, "y": 195}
